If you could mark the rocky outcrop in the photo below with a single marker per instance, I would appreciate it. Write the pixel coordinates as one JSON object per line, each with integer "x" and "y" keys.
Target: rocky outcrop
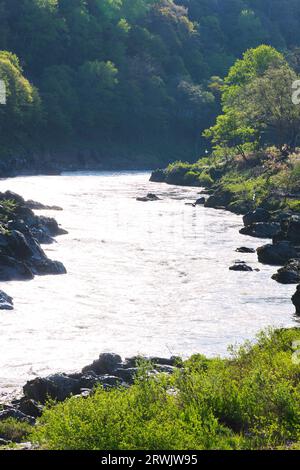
{"x": 278, "y": 254}
{"x": 21, "y": 232}
{"x": 296, "y": 300}
{"x": 261, "y": 229}
{"x": 289, "y": 274}
{"x": 219, "y": 200}
{"x": 158, "y": 176}
{"x": 256, "y": 216}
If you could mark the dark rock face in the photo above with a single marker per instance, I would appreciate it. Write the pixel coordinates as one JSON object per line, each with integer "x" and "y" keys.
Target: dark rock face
{"x": 30, "y": 407}
{"x": 38, "y": 206}
{"x": 289, "y": 274}
{"x": 296, "y": 300}
{"x": 58, "y": 387}
{"x": 244, "y": 249}
{"x": 276, "y": 255}
{"x": 259, "y": 215}
{"x": 220, "y": 199}
{"x": 14, "y": 270}
{"x": 21, "y": 256}
{"x": 106, "y": 364}
{"x": 293, "y": 230}
{"x": 200, "y": 201}
{"x": 261, "y": 229}
{"x": 158, "y": 176}
{"x": 15, "y": 414}
{"x": 240, "y": 266}
{"x": 6, "y": 302}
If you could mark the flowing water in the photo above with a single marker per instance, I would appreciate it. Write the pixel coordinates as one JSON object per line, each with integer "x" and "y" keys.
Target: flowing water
{"x": 149, "y": 278}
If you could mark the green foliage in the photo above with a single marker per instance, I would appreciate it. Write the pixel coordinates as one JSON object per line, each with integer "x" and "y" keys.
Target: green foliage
{"x": 15, "y": 431}
{"x": 249, "y": 401}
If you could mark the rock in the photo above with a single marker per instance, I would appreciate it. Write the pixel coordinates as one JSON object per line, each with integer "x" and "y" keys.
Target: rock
{"x": 4, "y": 442}
{"x": 289, "y": 274}
{"x": 293, "y": 231}
{"x": 220, "y": 199}
{"x": 133, "y": 362}
{"x": 49, "y": 225}
{"x": 166, "y": 369}
{"x": 244, "y": 249}
{"x": 200, "y": 201}
{"x": 58, "y": 387}
{"x": 127, "y": 375}
{"x": 150, "y": 197}
{"x": 240, "y": 266}
{"x": 30, "y": 407}
{"x": 17, "y": 415}
{"x": 92, "y": 380}
{"x": 158, "y": 176}
{"x": 276, "y": 255}
{"x": 296, "y": 300}
{"x": 261, "y": 229}
{"x": 38, "y": 206}
{"x": 6, "y": 302}
{"x": 46, "y": 266}
{"x": 106, "y": 364}
{"x": 13, "y": 270}
{"x": 259, "y": 215}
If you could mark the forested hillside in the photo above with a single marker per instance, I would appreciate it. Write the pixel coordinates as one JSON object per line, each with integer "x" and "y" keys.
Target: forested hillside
{"x": 125, "y": 80}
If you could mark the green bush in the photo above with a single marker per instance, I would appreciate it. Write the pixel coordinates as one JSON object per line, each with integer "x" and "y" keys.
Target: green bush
{"x": 249, "y": 401}
{"x": 12, "y": 430}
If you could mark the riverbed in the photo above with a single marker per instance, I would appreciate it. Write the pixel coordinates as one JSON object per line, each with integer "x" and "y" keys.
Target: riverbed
{"x": 143, "y": 277}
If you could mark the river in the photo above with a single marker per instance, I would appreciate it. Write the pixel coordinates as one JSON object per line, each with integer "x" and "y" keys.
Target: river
{"x": 149, "y": 278}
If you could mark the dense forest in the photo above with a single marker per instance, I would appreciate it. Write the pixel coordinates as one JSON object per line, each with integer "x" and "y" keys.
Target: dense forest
{"x": 125, "y": 80}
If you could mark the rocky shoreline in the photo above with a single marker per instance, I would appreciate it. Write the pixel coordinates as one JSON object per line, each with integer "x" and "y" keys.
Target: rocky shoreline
{"x": 282, "y": 227}
{"x": 21, "y": 234}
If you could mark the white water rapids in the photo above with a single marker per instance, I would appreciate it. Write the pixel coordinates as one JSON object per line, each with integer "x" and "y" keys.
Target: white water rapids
{"x": 149, "y": 278}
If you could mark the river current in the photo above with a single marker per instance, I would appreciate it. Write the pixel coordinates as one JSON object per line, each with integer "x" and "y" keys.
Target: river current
{"x": 149, "y": 278}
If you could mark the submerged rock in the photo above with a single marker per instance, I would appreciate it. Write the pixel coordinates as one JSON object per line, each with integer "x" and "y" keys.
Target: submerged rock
{"x": 244, "y": 249}
{"x": 150, "y": 197}
{"x": 276, "y": 255}
{"x": 289, "y": 274}
{"x": 6, "y": 302}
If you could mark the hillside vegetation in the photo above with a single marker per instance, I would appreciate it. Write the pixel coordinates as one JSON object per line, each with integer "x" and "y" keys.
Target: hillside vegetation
{"x": 125, "y": 78}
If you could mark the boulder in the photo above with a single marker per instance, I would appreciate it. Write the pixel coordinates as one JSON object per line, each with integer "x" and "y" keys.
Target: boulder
{"x": 200, "y": 201}
{"x": 44, "y": 267}
{"x": 17, "y": 415}
{"x": 289, "y": 274}
{"x": 258, "y": 215}
{"x": 219, "y": 199}
{"x": 106, "y": 364}
{"x": 261, "y": 229}
{"x": 293, "y": 231}
{"x": 244, "y": 249}
{"x": 13, "y": 270}
{"x": 58, "y": 387}
{"x": 296, "y": 300}
{"x": 30, "y": 407}
{"x": 158, "y": 176}
{"x": 277, "y": 255}
{"x": 127, "y": 375}
{"x": 240, "y": 266}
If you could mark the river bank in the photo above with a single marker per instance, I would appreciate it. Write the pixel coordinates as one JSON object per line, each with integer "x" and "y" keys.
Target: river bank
{"x": 22, "y": 233}
{"x": 266, "y": 213}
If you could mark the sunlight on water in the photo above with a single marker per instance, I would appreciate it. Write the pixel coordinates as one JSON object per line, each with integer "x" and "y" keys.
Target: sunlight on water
{"x": 149, "y": 278}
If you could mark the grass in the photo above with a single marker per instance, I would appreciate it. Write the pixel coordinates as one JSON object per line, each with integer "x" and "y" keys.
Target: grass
{"x": 15, "y": 431}
{"x": 249, "y": 401}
